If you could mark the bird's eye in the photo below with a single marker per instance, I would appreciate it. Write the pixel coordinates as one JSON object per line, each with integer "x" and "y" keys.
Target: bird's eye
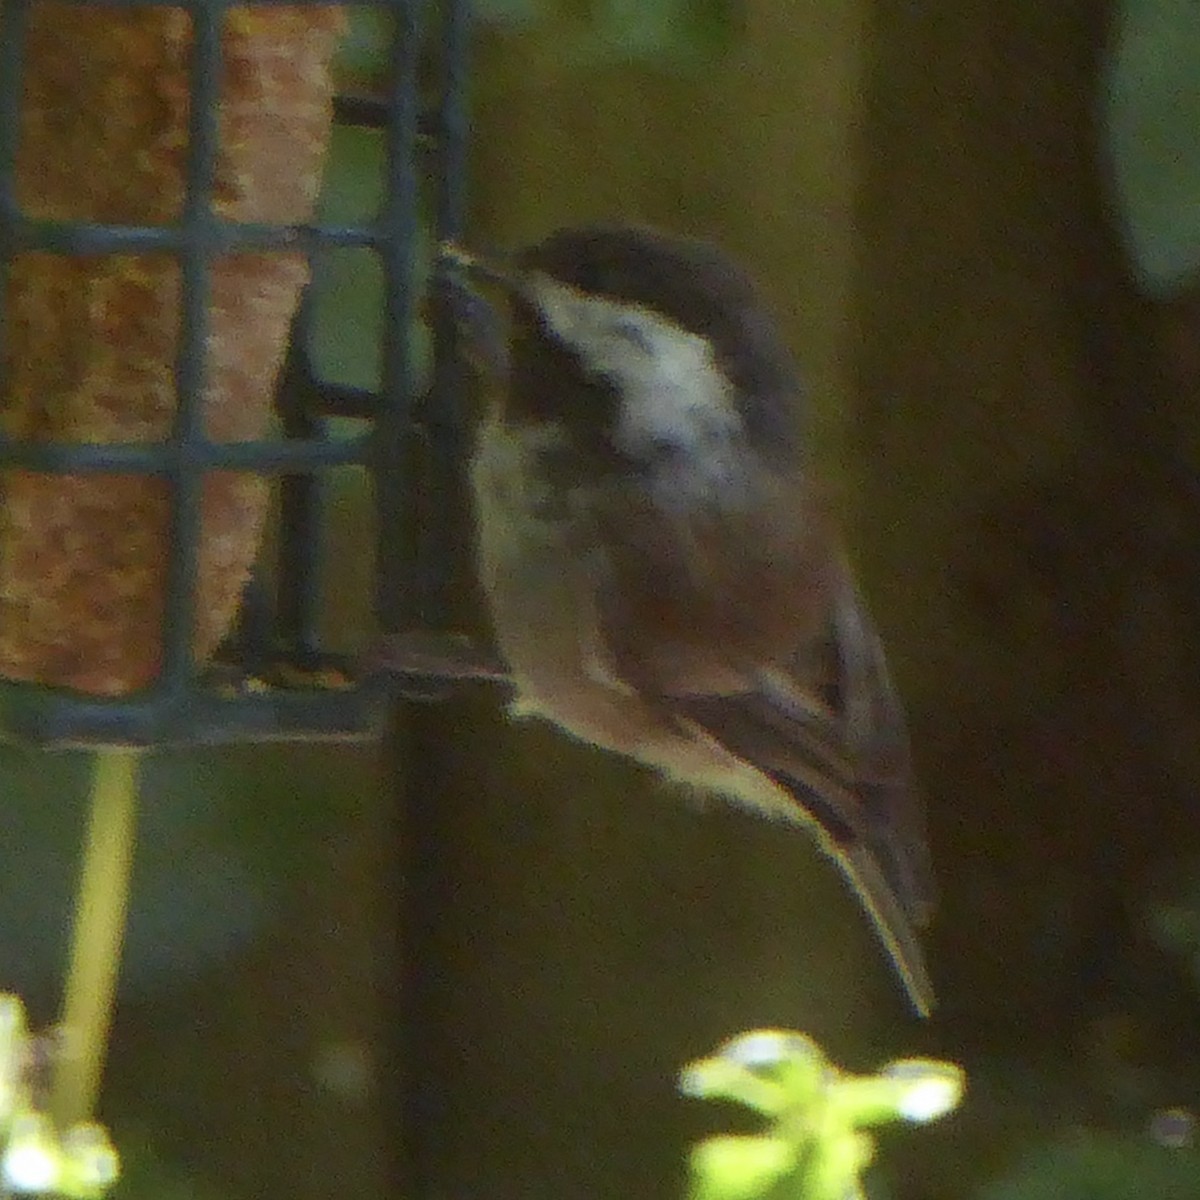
{"x": 631, "y": 330}
{"x": 662, "y": 449}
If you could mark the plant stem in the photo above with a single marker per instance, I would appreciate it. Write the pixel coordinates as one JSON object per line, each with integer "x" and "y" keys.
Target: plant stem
{"x": 98, "y": 933}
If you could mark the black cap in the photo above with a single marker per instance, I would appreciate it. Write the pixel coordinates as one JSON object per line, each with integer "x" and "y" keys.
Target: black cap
{"x": 701, "y": 289}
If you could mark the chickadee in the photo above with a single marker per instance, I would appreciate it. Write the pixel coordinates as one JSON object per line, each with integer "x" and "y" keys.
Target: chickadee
{"x": 664, "y": 578}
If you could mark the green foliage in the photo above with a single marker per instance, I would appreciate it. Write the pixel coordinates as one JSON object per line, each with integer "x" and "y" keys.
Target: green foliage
{"x": 1153, "y": 132}
{"x": 1102, "y": 1166}
{"x": 36, "y": 1158}
{"x": 670, "y": 32}
{"x": 508, "y": 12}
{"x": 814, "y": 1146}
{"x": 1174, "y": 921}
{"x": 666, "y": 32}
{"x": 348, "y": 284}
{"x": 363, "y": 51}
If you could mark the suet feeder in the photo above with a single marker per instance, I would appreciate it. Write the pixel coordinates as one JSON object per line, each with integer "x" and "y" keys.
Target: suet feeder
{"x": 159, "y": 166}
{"x": 166, "y": 445}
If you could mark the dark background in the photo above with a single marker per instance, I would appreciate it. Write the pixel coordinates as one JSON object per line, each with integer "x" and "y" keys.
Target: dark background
{"x": 1009, "y": 425}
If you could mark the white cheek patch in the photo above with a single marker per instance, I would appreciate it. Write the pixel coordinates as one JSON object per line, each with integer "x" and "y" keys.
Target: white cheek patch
{"x": 674, "y": 393}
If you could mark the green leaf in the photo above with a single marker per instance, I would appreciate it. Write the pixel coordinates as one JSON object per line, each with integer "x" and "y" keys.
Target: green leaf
{"x": 739, "y": 1168}
{"x": 768, "y": 1071}
{"x": 815, "y": 1146}
{"x": 1152, "y": 109}
{"x": 1102, "y": 1166}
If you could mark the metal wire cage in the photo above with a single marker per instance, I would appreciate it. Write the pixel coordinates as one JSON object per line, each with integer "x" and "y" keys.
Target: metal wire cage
{"x": 273, "y": 678}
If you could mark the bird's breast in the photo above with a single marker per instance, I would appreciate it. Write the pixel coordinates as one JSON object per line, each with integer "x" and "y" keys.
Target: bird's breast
{"x": 531, "y": 544}
{"x": 533, "y": 547}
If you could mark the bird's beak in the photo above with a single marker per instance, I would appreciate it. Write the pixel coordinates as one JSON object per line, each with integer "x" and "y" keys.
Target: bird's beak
{"x": 492, "y": 268}
{"x": 478, "y": 320}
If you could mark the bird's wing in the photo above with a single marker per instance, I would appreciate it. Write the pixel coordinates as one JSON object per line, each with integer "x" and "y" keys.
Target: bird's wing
{"x": 763, "y": 644}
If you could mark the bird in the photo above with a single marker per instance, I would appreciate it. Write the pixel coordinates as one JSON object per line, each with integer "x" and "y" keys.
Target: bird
{"x": 663, "y": 572}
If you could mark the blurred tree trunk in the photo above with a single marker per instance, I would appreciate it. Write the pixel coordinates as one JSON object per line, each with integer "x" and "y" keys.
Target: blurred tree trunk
{"x": 1025, "y": 450}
